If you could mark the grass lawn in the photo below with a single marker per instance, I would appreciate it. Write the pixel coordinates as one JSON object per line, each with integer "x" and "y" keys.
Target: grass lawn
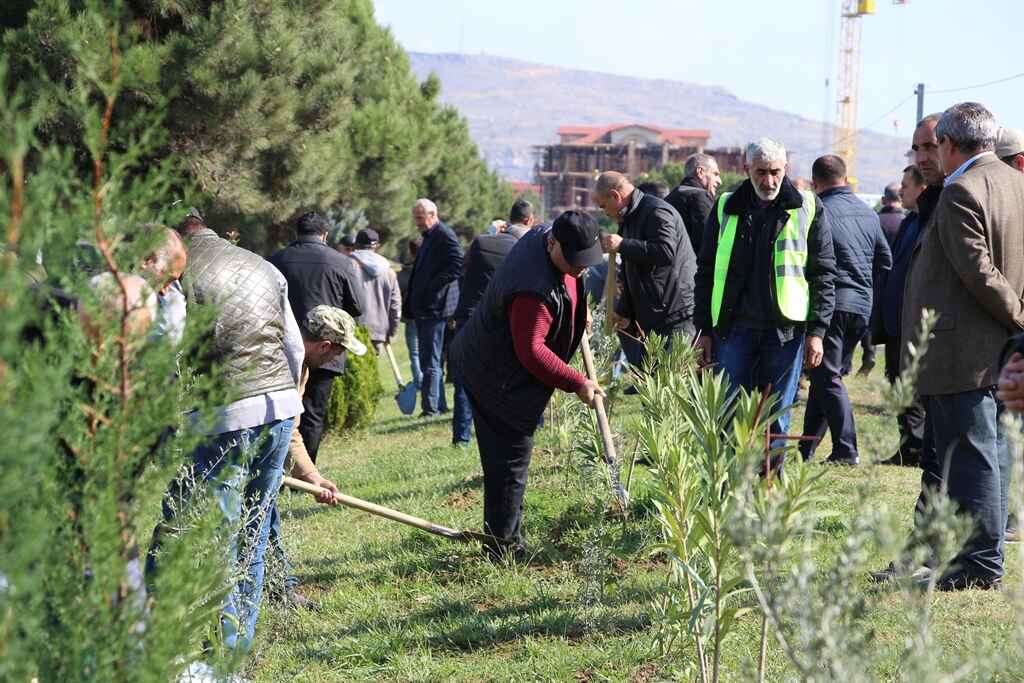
{"x": 400, "y": 605}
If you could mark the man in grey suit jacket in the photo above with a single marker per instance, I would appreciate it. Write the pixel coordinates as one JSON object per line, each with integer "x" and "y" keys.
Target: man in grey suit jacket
{"x": 969, "y": 268}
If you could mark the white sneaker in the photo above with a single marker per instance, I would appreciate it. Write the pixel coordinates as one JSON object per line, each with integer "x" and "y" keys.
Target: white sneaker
{"x": 201, "y": 672}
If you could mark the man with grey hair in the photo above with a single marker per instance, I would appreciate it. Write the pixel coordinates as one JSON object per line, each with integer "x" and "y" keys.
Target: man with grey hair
{"x": 433, "y": 296}
{"x": 695, "y": 195}
{"x": 969, "y": 269}
{"x": 765, "y": 287}
{"x": 658, "y": 264}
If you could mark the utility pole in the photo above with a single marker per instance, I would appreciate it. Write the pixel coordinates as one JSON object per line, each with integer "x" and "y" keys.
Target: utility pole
{"x": 920, "y": 101}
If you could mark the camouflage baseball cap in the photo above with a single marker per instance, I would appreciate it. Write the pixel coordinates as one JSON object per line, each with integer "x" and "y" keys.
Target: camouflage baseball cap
{"x": 336, "y": 326}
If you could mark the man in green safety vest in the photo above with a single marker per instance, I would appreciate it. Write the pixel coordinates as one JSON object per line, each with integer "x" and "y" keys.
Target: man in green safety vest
{"x": 765, "y": 280}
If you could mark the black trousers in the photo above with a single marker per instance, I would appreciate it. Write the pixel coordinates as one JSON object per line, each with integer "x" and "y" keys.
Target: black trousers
{"x": 314, "y": 408}
{"x": 911, "y": 422}
{"x": 970, "y": 457}
{"x": 869, "y": 349}
{"x": 505, "y": 457}
{"x": 828, "y": 404}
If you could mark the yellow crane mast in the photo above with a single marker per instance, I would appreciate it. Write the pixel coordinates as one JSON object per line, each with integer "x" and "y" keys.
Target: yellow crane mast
{"x": 845, "y": 142}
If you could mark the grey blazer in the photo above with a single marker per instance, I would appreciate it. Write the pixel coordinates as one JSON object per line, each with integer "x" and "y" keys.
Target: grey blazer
{"x": 968, "y": 266}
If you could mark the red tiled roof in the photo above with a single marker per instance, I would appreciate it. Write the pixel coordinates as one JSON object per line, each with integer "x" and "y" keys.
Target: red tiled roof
{"x": 591, "y": 134}
{"x": 521, "y": 186}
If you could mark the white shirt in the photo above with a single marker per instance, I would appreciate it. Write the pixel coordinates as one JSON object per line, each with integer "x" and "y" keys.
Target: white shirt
{"x": 170, "y": 317}
{"x": 963, "y": 167}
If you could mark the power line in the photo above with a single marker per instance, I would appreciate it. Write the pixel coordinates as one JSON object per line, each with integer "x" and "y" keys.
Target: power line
{"x": 836, "y": 143}
{"x": 979, "y": 85}
{"x": 930, "y": 92}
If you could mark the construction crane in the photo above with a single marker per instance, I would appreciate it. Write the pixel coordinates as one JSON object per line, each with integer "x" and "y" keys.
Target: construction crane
{"x": 845, "y": 142}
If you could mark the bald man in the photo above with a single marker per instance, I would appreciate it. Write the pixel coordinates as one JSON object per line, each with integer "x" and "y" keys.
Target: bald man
{"x": 141, "y": 304}
{"x": 162, "y": 269}
{"x": 658, "y": 264}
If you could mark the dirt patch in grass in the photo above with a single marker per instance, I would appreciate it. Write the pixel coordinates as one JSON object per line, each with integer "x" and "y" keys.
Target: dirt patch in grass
{"x": 462, "y": 500}
{"x": 647, "y": 672}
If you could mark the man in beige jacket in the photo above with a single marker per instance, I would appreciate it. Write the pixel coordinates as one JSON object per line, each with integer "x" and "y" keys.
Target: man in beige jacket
{"x": 968, "y": 267}
{"x": 326, "y": 333}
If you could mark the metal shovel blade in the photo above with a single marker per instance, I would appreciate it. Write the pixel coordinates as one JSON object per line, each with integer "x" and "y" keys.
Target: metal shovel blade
{"x": 406, "y": 398}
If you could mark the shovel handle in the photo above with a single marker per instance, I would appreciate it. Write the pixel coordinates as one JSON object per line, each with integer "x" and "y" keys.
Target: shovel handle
{"x": 395, "y": 515}
{"x": 394, "y": 365}
{"x": 360, "y": 504}
{"x": 602, "y": 416}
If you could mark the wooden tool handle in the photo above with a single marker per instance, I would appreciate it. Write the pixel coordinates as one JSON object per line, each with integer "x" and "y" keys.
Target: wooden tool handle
{"x": 394, "y": 365}
{"x": 602, "y": 416}
{"x": 610, "y": 290}
{"x": 363, "y": 505}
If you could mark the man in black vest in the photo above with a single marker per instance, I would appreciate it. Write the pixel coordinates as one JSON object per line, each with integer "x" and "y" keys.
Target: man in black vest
{"x": 512, "y": 354}
{"x": 695, "y": 196}
{"x": 484, "y": 256}
{"x": 658, "y": 264}
{"x": 316, "y": 275}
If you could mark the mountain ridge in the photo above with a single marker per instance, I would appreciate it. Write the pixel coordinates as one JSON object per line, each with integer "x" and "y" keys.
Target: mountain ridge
{"x": 513, "y": 104}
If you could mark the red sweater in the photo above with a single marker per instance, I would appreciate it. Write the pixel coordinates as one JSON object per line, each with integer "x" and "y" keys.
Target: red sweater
{"x": 530, "y": 321}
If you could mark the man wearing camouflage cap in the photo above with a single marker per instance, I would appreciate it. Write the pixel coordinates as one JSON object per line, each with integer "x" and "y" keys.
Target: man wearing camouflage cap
{"x": 326, "y": 333}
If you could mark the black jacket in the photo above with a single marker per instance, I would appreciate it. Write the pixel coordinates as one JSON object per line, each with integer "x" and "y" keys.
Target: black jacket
{"x": 693, "y": 203}
{"x": 485, "y": 255}
{"x": 820, "y": 271}
{"x": 926, "y": 203}
{"x": 861, "y": 248}
{"x": 658, "y": 265}
{"x": 891, "y": 218}
{"x": 434, "y": 281}
{"x": 318, "y": 274}
{"x": 482, "y": 353}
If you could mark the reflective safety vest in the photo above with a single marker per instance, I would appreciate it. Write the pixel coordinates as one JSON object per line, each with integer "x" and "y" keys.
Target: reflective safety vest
{"x": 792, "y": 291}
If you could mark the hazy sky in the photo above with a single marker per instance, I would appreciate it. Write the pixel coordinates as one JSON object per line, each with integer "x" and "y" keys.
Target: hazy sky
{"x": 773, "y": 53}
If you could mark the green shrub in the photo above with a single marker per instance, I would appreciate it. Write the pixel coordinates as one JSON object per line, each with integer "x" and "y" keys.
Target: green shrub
{"x": 354, "y": 397}
{"x": 90, "y": 415}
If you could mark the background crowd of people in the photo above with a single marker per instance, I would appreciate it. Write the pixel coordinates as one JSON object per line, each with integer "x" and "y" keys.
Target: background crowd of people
{"x": 768, "y": 281}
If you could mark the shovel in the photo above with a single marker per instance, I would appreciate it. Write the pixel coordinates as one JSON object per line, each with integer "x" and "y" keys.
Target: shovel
{"x": 610, "y": 459}
{"x": 463, "y": 535}
{"x": 406, "y": 396}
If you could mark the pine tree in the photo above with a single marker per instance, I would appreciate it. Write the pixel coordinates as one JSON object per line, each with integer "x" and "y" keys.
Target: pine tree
{"x": 276, "y": 108}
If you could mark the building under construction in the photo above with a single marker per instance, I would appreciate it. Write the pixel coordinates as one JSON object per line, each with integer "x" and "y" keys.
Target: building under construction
{"x": 568, "y": 169}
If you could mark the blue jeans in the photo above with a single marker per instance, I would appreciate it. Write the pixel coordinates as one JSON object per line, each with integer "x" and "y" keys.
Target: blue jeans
{"x": 462, "y": 413}
{"x": 970, "y": 442}
{"x": 430, "y": 333}
{"x": 276, "y": 547}
{"x": 244, "y": 470}
{"x": 755, "y": 359}
{"x": 412, "y": 343}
